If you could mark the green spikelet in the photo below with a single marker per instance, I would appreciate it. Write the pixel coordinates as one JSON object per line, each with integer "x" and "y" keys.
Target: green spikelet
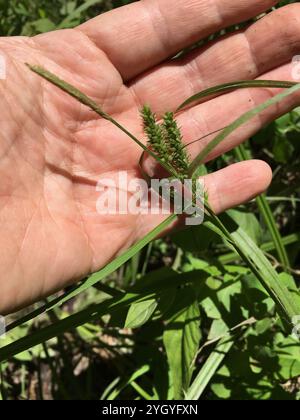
{"x": 178, "y": 156}
{"x": 166, "y": 140}
{"x": 154, "y": 132}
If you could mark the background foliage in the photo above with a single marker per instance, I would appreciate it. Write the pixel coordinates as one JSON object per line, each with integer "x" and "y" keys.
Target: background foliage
{"x": 184, "y": 293}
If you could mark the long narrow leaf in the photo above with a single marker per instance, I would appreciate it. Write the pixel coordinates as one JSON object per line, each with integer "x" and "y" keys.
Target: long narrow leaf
{"x": 243, "y": 84}
{"x": 97, "y": 311}
{"x": 209, "y": 368}
{"x": 85, "y": 100}
{"x": 266, "y": 247}
{"x": 286, "y": 303}
{"x": 267, "y": 214}
{"x": 238, "y": 123}
{"x": 96, "y": 277}
{"x": 258, "y": 263}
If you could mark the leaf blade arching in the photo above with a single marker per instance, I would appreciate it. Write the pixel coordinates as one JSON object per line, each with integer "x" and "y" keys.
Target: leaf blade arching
{"x": 96, "y": 277}
{"x": 260, "y": 266}
{"x": 238, "y": 123}
{"x": 91, "y": 313}
{"x": 90, "y": 103}
{"x": 227, "y": 87}
{"x": 267, "y": 214}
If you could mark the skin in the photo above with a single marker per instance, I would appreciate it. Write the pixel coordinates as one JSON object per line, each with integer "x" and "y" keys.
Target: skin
{"x": 54, "y": 150}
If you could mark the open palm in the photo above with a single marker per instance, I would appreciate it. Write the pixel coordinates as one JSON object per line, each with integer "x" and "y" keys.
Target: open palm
{"x": 53, "y": 150}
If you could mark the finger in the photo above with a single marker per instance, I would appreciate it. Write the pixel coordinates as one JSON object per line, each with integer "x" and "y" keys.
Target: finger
{"x": 265, "y": 45}
{"x": 237, "y": 184}
{"x": 222, "y": 111}
{"x": 141, "y": 35}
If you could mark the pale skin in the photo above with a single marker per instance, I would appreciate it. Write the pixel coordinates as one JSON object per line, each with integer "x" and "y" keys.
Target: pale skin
{"x": 53, "y": 150}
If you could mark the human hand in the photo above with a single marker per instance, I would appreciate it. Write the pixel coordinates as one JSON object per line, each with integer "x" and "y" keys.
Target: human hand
{"x": 53, "y": 150}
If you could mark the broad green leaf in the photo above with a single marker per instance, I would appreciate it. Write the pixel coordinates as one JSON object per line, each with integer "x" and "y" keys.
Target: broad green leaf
{"x": 288, "y": 353}
{"x": 217, "y": 330}
{"x": 43, "y": 25}
{"x": 221, "y": 391}
{"x": 165, "y": 302}
{"x": 190, "y": 344}
{"x": 195, "y": 238}
{"x": 181, "y": 340}
{"x": 282, "y": 150}
{"x": 248, "y": 222}
{"x": 139, "y": 313}
{"x": 194, "y": 263}
{"x": 211, "y": 309}
{"x": 289, "y": 282}
{"x": 227, "y": 293}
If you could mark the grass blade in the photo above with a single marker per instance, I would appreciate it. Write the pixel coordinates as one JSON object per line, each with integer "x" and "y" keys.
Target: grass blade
{"x": 227, "y": 87}
{"x": 96, "y": 277}
{"x": 238, "y": 123}
{"x": 94, "y": 312}
{"x": 266, "y": 247}
{"x": 85, "y": 100}
{"x": 209, "y": 368}
{"x": 255, "y": 259}
{"x": 117, "y": 386}
{"x": 269, "y": 277}
{"x": 267, "y": 214}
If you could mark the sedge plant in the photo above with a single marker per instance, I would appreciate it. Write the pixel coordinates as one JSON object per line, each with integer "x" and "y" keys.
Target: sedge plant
{"x": 165, "y": 145}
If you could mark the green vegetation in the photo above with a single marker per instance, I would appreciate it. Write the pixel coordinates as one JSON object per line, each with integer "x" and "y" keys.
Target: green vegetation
{"x": 30, "y": 17}
{"x": 180, "y": 317}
